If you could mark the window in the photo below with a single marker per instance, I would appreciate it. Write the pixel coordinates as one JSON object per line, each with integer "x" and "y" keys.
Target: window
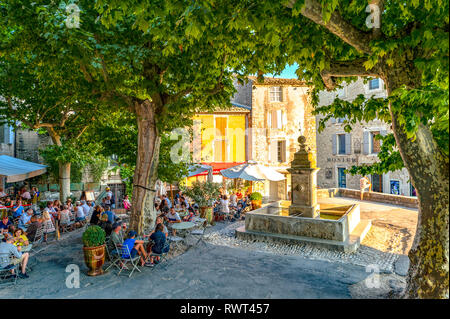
{"x": 276, "y": 94}
{"x": 340, "y": 120}
{"x": 281, "y": 151}
{"x": 377, "y": 183}
{"x": 374, "y": 84}
{"x": 275, "y": 119}
{"x": 220, "y": 145}
{"x": 374, "y": 143}
{"x": 341, "y": 143}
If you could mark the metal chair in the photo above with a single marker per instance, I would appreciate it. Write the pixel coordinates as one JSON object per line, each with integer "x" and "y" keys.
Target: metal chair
{"x": 123, "y": 261}
{"x": 176, "y": 240}
{"x": 162, "y": 256}
{"x": 6, "y": 274}
{"x": 38, "y": 237}
{"x": 113, "y": 256}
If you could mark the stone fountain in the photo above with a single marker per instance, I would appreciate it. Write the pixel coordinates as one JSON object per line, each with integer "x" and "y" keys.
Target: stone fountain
{"x": 303, "y": 219}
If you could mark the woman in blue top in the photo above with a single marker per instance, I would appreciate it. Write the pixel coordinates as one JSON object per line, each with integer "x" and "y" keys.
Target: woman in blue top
{"x": 159, "y": 239}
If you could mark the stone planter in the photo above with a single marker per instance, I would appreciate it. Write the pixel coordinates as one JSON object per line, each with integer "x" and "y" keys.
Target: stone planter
{"x": 256, "y": 204}
{"x": 94, "y": 257}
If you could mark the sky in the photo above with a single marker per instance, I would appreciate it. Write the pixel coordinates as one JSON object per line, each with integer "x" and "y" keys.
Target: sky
{"x": 288, "y": 72}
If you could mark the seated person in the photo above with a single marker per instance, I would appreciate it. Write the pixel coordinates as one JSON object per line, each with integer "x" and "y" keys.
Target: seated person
{"x": 7, "y": 202}
{"x": 79, "y": 212}
{"x": 25, "y": 194}
{"x": 25, "y": 219}
{"x": 116, "y": 236}
{"x": 189, "y": 216}
{"x": 159, "y": 239}
{"x": 10, "y": 232}
{"x": 96, "y": 215}
{"x": 237, "y": 213}
{"x": 65, "y": 215}
{"x": 18, "y": 209}
{"x": 33, "y": 227}
{"x": 4, "y": 224}
{"x": 8, "y": 249}
{"x": 108, "y": 228}
{"x": 159, "y": 220}
{"x": 47, "y": 224}
{"x": 110, "y": 214}
{"x": 173, "y": 216}
{"x": 135, "y": 247}
{"x": 20, "y": 238}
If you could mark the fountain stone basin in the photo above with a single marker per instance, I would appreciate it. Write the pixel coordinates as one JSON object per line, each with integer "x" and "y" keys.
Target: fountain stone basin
{"x": 338, "y": 227}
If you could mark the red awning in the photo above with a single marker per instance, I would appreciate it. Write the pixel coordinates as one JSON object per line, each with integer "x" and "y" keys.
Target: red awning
{"x": 217, "y": 167}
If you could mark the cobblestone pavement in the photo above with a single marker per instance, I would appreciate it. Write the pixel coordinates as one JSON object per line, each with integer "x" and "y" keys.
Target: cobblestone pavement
{"x": 364, "y": 256}
{"x": 205, "y": 271}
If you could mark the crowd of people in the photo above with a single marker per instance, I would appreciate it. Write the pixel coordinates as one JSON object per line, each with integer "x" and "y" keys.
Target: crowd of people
{"x": 19, "y": 229}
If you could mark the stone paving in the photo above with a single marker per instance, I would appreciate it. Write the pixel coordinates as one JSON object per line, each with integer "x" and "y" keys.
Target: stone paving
{"x": 365, "y": 255}
{"x": 225, "y": 267}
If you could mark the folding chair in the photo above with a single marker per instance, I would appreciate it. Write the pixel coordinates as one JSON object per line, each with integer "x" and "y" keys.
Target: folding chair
{"x": 162, "y": 256}
{"x": 123, "y": 261}
{"x": 199, "y": 232}
{"x": 113, "y": 256}
{"x": 38, "y": 237}
{"x": 175, "y": 239}
{"x": 6, "y": 276}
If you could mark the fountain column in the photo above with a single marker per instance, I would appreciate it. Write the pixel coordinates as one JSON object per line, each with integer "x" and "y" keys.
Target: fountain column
{"x": 303, "y": 182}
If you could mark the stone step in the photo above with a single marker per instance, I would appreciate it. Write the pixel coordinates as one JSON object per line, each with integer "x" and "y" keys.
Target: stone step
{"x": 345, "y": 246}
{"x": 360, "y": 231}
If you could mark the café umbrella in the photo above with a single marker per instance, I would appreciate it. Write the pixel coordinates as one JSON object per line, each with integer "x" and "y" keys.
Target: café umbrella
{"x": 253, "y": 172}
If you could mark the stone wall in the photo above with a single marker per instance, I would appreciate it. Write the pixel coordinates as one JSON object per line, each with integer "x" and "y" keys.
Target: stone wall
{"x": 28, "y": 144}
{"x": 243, "y": 95}
{"x": 329, "y": 162}
{"x": 407, "y": 201}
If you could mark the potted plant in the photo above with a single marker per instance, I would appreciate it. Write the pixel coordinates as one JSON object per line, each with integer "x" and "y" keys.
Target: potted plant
{"x": 256, "y": 199}
{"x": 204, "y": 194}
{"x": 94, "y": 249}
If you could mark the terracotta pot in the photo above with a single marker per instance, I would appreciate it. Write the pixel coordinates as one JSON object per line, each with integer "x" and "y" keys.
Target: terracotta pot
{"x": 203, "y": 212}
{"x": 256, "y": 204}
{"x": 94, "y": 257}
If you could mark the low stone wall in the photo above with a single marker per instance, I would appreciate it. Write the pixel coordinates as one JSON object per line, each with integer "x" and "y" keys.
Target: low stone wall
{"x": 407, "y": 201}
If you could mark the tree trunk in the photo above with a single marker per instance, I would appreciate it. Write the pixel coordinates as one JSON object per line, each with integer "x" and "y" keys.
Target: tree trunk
{"x": 142, "y": 210}
{"x": 64, "y": 181}
{"x": 64, "y": 169}
{"x": 428, "y": 168}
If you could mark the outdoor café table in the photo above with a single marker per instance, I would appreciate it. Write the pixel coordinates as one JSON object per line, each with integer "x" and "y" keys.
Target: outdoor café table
{"x": 183, "y": 226}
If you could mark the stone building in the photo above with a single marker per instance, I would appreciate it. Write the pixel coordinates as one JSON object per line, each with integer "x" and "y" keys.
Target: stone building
{"x": 6, "y": 140}
{"x": 265, "y": 123}
{"x": 338, "y": 150}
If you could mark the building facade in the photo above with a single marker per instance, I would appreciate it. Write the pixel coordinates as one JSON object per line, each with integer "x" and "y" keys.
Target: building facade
{"x": 338, "y": 150}
{"x": 265, "y": 123}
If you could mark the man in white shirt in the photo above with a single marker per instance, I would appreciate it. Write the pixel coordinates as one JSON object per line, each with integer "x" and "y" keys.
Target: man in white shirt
{"x": 85, "y": 207}
{"x": 26, "y": 194}
{"x": 79, "y": 212}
